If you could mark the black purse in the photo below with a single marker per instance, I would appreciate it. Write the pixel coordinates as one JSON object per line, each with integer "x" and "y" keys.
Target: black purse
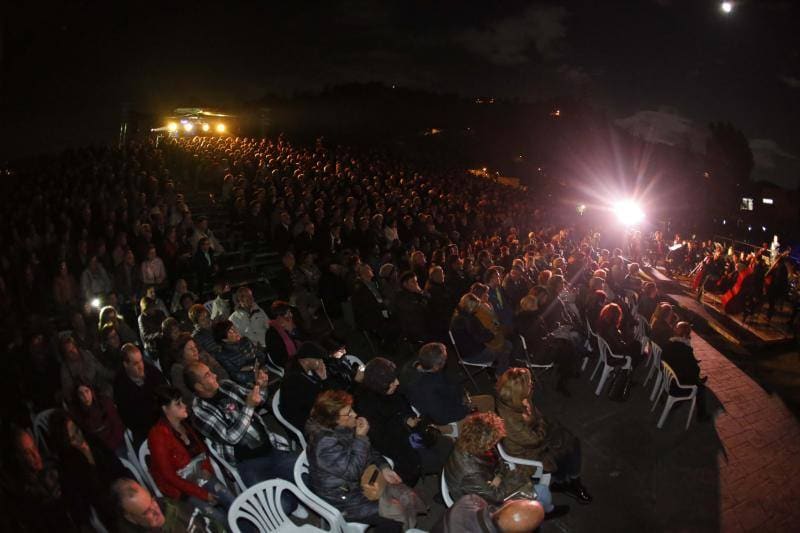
{"x": 621, "y": 383}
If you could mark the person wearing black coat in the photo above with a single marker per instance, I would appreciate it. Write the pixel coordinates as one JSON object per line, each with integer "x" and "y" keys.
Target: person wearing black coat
{"x": 88, "y": 469}
{"x": 441, "y": 304}
{"x": 204, "y": 265}
{"x": 427, "y": 386}
{"x": 679, "y": 355}
{"x": 391, "y": 421}
{"x": 411, "y": 309}
{"x": 608, "y": 328}
{"x": 370, "y": 310}
{"x": 134, "y": 393}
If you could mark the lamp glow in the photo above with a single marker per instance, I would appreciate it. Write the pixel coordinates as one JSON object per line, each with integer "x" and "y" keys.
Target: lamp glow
{"x": 172, "y": 126}
{"x": 726, "y": 7}
{"x": 206, "y": 127}
{"x": 95, "y": 303}
{"x": 188, "y": 126}
{"x": 220, "y": 128}
{"x": 629, "y": 213}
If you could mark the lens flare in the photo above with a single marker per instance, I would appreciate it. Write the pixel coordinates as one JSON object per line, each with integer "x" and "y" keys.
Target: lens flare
{"x": 172, "y": 126}
{"x": 629, "y": 213}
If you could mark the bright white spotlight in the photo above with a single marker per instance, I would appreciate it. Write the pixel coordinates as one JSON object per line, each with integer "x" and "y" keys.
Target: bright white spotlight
{"x": 206, "y": 127}
{"x": 172, "y": 126}
{"x": 188, "y": 126}
{"x": 220, "y": 128}
{"x": 95, "y": 303}
{"x": 726, "y": 7}
{"x": 629, "y": 213}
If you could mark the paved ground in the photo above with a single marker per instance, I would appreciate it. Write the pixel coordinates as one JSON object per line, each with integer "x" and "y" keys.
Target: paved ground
{"x": 740, "y": 472}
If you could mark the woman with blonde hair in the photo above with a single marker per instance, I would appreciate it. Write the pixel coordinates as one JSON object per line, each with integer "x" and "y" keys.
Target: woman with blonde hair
{"x": 662, "y": 324}
{"x": 532, "y": 436}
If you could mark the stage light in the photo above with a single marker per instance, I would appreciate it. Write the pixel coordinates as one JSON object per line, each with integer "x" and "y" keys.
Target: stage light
{"x": 95, "y": 303}
{"x": 581, "y": 208}
{"x": 206, "y": 127}
{"x": 172, "y": 126}
{"x": 220, "y": 128}
{"x": 629, "y": 213}
{"x": 188, "y": 126}
{"x": 726, "y": 7}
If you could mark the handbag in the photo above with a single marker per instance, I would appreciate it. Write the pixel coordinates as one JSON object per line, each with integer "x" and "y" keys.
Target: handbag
{"x": 621, "y": 383}
{"x": 372, "y": 483}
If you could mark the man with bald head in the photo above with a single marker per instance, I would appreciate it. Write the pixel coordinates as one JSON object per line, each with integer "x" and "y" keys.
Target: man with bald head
{"x": 472, "y": 513}
{"x": 679, "y": 355}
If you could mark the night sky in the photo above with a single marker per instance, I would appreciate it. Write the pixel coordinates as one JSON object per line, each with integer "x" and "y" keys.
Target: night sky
{"x": 68, "y": 66}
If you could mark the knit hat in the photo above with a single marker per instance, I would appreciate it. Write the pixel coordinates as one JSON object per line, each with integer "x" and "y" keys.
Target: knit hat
{"x": 311, "y": 350}
{"x": 379, "y": 373}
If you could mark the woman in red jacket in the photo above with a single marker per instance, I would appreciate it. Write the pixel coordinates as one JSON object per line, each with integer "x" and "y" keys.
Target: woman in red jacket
{"x": 179, "y": 460}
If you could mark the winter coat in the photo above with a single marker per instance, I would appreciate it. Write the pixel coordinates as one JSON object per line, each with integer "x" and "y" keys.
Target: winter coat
{"x": 336, "y": 460}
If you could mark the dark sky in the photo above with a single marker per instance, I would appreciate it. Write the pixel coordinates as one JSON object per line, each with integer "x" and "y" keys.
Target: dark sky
{"x": 67, "y": 66}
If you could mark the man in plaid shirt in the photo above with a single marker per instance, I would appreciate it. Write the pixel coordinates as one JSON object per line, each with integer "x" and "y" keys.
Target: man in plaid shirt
{"x": 225, "y": 414}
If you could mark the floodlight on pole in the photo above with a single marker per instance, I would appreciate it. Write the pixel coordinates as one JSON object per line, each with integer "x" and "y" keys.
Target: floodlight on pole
{"x": 629, "y": 213}
{"x": 726, "y": 7}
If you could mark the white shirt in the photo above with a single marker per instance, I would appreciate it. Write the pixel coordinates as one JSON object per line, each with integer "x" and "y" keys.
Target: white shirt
{"x": 253, "y": 324}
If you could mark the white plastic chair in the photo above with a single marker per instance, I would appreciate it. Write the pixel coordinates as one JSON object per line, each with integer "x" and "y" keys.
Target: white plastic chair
{"x": 655, "y": 367}
{"x": 218, "y": 461}
{"x": 464, "y": 364}
{"x": 533, "y": 366}
{"x": 668, "y": 377}
{"x": 209, "y": 305}
{"x": 276, "y": 402}
{"x": 448, "y": 500}
{"x": 134, "y": 472}
{"x": 338, "y": 522}
{"x": 512, "y": 463}
{"x": 41, "y": 426}
{"x": 94, "y": 521}
{"x": 605, "y": 353}
{"x": 144, "y": 453}
{"x": 260, "y": 505}
{"x": 352, "y": 359}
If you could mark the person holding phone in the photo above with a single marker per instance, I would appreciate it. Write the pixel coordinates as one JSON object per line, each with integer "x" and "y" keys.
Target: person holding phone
{"x": 339, "y": 451}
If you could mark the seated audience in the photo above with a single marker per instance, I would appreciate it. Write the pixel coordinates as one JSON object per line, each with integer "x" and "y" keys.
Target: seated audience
{"x": 393, "y": 424}
{"x": 88, "y": 468}
{"x": 608, "y": 327}
{"x": 338, "y": 452}
{"x": 411, "y": 306}
{"x": 203, "y": 333}
{"x": 81, "y": 365}
{"x": 150, "y": 326}
{"x": 473, "y": 513}
{"x": 474, "y": 467}
{"x": 189, "y": 353}
{"x": 474, "y": 341}
{"x": 238, "y": 356}
{"x": 679, "y": 355}
{"x": 179, "y": 460}
{"x": 662, "y": 324}
{"x": 97, "y": 416}
{"x": 283, "y": 337}
{"x": 224, "y": 413}
{"x": 134, "y": 393}
{"x": 532, "y": 436}
{"x": 250, "y": 320}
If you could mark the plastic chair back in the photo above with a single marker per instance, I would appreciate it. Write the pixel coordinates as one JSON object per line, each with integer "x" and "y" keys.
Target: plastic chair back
{"x": 144, "y": 455}
{"x": 260, "y": 506}
{"x": 130, "y": 467}
{"x": 448, "y": 500}
{"x": 41, "y": 427}
{"x": 218, "y": 461}
{"x": 276, "y": 403}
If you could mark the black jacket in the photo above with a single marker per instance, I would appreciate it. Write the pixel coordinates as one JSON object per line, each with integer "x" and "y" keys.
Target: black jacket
{"x": 137, "y": 405}
{"x": 388, "y": 431}
{"x": 433, "y": 394}
{"x": 680, "y": 358}
{"x": 411, "y": 309}
{"x": 367, "y": 310}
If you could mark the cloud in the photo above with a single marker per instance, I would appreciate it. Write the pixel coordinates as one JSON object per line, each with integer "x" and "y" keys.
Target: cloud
{"x": 767, "y": 151}
{"x": 665, "y": 127}
{"x": 791, "y": 81}
{"x": 508, "y": 41}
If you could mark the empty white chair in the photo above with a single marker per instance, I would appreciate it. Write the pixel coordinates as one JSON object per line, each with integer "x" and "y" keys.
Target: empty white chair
{"x": 464, "y": 364}
{"x": 41, "y": 426}
{"x": 144, "y": 454}
{"x": 260, "y": 505}
{"x": 276, "y": 402}
{"x": 448, "y": 500}
{"x": 605, "y": 354}
{"x": 668, "y": 377}
{"x": 338, "y": 522}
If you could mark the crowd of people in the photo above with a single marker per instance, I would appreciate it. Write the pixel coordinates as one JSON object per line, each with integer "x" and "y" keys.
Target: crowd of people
{"x": 119, "y": 318}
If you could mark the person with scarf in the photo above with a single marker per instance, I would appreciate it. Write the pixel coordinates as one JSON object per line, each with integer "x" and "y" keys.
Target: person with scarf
{"x": 283, "y": 338}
